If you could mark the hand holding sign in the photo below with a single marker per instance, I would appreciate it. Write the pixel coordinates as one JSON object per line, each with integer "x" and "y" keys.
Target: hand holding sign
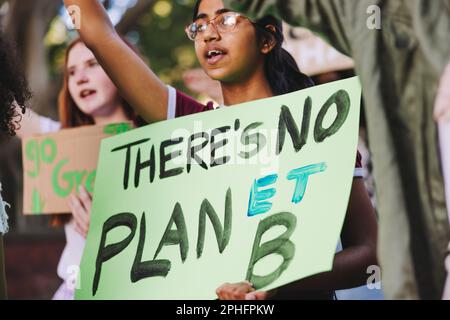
{"x": 153, "y": 234}
{"x": 234, "y": 291}
{"x": 57, "y": 164}
{"x": 81, "y": 210}
{"x": 240, "y": 291}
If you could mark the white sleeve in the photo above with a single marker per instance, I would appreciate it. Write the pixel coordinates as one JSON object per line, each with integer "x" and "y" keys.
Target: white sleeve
{"x": 72, "y": 253}
{"x": 358, "y": 173}
{"x": 171, "y": 102}
{"x": 48, "y": 125}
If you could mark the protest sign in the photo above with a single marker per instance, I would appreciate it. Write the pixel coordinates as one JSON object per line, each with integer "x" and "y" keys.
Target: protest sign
{"x": 252, "y": 192}
{"x": 56, "y": 164}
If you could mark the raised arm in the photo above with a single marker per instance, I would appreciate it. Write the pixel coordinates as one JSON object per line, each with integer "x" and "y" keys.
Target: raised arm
{"x": 136, "y": 82}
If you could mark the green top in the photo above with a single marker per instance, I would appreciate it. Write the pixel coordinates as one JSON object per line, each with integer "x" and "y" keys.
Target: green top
{"x": 399, "y": 66}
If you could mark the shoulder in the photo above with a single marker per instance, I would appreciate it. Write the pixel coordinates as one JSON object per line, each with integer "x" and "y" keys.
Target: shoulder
{"x": 48, "y": 125}
{"x": 181, "y": 104}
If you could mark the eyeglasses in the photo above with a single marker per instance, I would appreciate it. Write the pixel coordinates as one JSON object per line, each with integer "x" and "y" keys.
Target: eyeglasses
{"x": 224, "y": 22}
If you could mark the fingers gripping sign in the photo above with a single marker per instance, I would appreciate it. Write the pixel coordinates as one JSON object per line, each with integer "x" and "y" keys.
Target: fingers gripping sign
{"x": 80, "y": 206}
{"x": 234, "y": 291}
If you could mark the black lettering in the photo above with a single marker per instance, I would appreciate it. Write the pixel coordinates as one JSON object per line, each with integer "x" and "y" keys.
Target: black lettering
{"x": 222, "y": 233}
{"x": 128, "y": 147}
{"x": 192, "y": 150}
{"x": 342, "y": 101}
{"x": 107, "y": 252}
{"x": 164, "y": 158}
{"x": 147, "y": 269}
{"x": 216, "y": 145}
{"x": 150, "y": 164}
{"x": 280, "y": 245}
{"x": 257, "y": 139}
{"x": 237, "y": 124}
{"x": 286, "y": 121}
{"x": 178, "y": 236}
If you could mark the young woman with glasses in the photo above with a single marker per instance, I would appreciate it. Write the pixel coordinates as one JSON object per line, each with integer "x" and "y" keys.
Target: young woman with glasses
{"x": 247, "y": 58}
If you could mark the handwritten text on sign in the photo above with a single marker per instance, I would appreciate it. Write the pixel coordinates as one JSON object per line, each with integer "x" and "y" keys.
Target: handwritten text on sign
{"x": 179, "y": 210}
{"x": 57, "y": 164}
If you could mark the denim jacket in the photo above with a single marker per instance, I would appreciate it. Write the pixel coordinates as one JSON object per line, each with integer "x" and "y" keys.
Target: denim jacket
{"x": 3, "y": 216}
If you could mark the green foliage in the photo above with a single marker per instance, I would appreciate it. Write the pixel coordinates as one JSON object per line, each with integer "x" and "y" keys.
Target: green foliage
{"x": 159, "y": 34}
{"x": 163, "y": 41}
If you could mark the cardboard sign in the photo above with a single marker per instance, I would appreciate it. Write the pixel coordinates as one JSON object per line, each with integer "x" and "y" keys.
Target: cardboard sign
{"x": 252, "y": 192}
{"x": 56, "y": 164}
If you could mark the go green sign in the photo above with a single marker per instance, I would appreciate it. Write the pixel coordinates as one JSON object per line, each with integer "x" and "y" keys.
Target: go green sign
{"x": 57, "y": 164}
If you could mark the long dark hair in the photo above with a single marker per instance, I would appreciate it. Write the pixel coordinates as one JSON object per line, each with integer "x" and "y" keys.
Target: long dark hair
{"x": 281, "y": 70}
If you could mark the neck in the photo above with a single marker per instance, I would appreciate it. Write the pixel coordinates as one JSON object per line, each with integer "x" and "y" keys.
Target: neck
{"x": 254, "y": 88}
{"x": 116, "y": 116}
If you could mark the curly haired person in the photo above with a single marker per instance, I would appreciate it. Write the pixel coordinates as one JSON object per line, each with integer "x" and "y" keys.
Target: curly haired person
{"x": 13, "y": 92}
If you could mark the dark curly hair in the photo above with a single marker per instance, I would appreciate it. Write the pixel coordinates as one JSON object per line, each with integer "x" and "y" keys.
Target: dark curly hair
{"x": 13, "y": 87}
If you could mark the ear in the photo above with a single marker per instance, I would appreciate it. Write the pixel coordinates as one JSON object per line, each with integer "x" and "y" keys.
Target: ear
{"x": 270, "y": 42}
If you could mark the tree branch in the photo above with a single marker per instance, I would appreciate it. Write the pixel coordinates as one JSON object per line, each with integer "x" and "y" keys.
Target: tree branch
{"x": 132, "y": 15}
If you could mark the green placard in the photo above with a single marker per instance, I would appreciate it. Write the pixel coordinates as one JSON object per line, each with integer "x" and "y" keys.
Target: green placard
{"x": 252, "y": 192}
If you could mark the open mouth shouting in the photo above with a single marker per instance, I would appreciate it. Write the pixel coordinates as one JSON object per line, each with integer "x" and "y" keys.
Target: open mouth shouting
{"x": 214, "y": 55}
{"x": 87, "y": 93}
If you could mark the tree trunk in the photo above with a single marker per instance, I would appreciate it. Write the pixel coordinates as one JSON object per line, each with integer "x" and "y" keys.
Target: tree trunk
{"x": 132, "y": 15}
{"x": 27, "y": 23}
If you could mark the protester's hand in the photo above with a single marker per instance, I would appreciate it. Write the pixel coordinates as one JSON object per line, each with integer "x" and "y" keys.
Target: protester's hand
{"x": 234, "y": 291}
{"x": 442, "y": 105}
{"x": 257, "y": 295}
{"x": 240, "y": 291}
{"x": 81, "y": 210}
